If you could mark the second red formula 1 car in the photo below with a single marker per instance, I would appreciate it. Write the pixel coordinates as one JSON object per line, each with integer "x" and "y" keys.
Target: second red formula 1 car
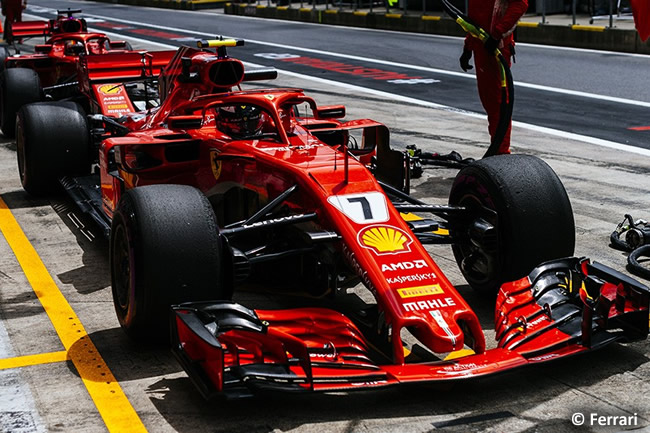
{"x": 219, "y": 189}
{"x": 50, "y": 73}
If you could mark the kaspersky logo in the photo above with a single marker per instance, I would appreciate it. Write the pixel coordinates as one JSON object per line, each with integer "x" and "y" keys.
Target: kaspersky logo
{"x": 384, "y": 239}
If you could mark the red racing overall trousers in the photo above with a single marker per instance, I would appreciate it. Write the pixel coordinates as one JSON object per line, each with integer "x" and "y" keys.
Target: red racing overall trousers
{"x": 498, "y": 17}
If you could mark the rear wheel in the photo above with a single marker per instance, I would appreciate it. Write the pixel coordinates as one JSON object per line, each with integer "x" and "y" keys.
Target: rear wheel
{"x": 520, "y": 216}
{"x": 4, "y": 53}
{"x": 18, "y": 86}
{"x": 165, "y": 249}
{"x": 52, "y": 140}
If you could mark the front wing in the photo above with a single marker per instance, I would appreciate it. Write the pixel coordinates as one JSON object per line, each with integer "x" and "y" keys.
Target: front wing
{"x": 563, "y": 308}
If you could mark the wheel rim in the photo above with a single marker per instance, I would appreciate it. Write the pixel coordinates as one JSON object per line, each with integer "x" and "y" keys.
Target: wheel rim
{"x": 481, "y": 261}
{"x": 121, "y": 259}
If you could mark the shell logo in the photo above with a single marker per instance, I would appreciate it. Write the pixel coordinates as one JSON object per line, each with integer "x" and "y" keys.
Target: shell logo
{"x": 383, "y": 239}
{"x": 110, "y": 89}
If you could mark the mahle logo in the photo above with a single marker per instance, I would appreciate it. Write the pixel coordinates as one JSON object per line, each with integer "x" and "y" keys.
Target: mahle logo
{"x": 382, "y": 239}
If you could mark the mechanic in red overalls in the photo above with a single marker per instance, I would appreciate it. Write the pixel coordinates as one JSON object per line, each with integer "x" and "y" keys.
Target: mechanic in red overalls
{"x": 498, "y": 18}
{"x": 13, "y": 12}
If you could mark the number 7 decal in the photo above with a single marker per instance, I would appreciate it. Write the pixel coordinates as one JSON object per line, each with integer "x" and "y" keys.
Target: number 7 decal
{"x": 363, "y": 208}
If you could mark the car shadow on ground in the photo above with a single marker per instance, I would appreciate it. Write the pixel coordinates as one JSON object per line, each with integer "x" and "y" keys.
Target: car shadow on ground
{"x": 94, "y": 275}
{"x": 130, "y": 360}
{"x": 19, "y": 199}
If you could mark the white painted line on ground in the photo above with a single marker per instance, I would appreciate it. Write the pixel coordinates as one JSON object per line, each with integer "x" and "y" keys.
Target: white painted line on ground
{"x": 395, "y": 64}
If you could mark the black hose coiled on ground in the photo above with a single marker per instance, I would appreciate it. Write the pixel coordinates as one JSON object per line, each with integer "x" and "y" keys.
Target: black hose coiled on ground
{"x": 637, "y": 242}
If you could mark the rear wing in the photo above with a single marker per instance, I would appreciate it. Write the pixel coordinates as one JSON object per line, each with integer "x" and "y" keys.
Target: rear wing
{"x": 28, "y": 29}
{"x": 115, "y": 67}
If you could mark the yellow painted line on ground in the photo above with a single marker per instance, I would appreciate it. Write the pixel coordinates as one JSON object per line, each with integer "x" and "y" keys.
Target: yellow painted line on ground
{"x": 283, "y": 8}
{"x": 331, "y": 11}
{"x": 360, "y": 13}
{"x": 38, "y": 359}
{"x": 527, "y": 24}
{"x": 393, "y": 15}
{"x": 305, "y": 9}
{"x": 111, "y": 403}
{"x": 261, "y": 6}
{"x": 430, "y": 18}
{"x": 588, "y": 28}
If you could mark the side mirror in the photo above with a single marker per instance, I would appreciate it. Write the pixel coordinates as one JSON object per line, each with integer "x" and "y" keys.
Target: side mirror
{"x": 43, "y": 49}
{"x": 330, "y": 112}
{"x": 118, "y": 45}
{"x": 184, "y": 122}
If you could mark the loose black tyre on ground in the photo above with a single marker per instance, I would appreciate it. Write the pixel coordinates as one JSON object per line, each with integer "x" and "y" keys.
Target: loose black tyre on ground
{"x": 52, "y": 140}
{"x": 165, "y": 249}
{"x": 18, "y": 86}
{"x": 525, "y": 201}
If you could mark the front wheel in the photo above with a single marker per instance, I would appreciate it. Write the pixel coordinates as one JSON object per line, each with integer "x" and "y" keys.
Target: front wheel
{"x": 519, "y": 215}
{"x": 165, "y": 249}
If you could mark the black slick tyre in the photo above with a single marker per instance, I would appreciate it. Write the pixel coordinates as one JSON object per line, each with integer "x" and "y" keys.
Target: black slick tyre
{"x": 526, "y": 205}
{"x": 52, "y": 140}
{"x": 4, "y": 53}
{"x": 165, "y": 249}
{"x": 18, "y": 86}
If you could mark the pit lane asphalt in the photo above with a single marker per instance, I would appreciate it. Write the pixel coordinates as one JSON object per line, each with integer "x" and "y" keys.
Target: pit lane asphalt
{"x": 603, "y": 185}
{"x": 571, "y": 89}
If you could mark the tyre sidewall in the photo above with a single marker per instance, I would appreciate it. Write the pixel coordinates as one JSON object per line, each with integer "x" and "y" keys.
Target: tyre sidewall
{"x": 174, "y": 258}
{"x": 51, "y": 143}
{"x": 18, "y": 86}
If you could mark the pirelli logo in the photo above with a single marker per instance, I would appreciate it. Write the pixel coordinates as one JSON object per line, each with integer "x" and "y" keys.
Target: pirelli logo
{"x": 413, "y": 292}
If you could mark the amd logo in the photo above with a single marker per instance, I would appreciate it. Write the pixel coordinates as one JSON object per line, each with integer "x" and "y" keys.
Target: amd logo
{"x": 415, "y": 264}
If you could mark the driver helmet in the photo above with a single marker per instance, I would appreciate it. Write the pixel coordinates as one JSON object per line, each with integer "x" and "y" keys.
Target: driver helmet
{"x": 70, "y": 45}
{"x": 239, "y": 121}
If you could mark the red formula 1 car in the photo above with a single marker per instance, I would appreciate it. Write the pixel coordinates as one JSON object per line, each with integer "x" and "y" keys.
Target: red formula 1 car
{"x": 65, "y": 22}
{"x": 51, "y": 72}
{"x": 221, "y": 188}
